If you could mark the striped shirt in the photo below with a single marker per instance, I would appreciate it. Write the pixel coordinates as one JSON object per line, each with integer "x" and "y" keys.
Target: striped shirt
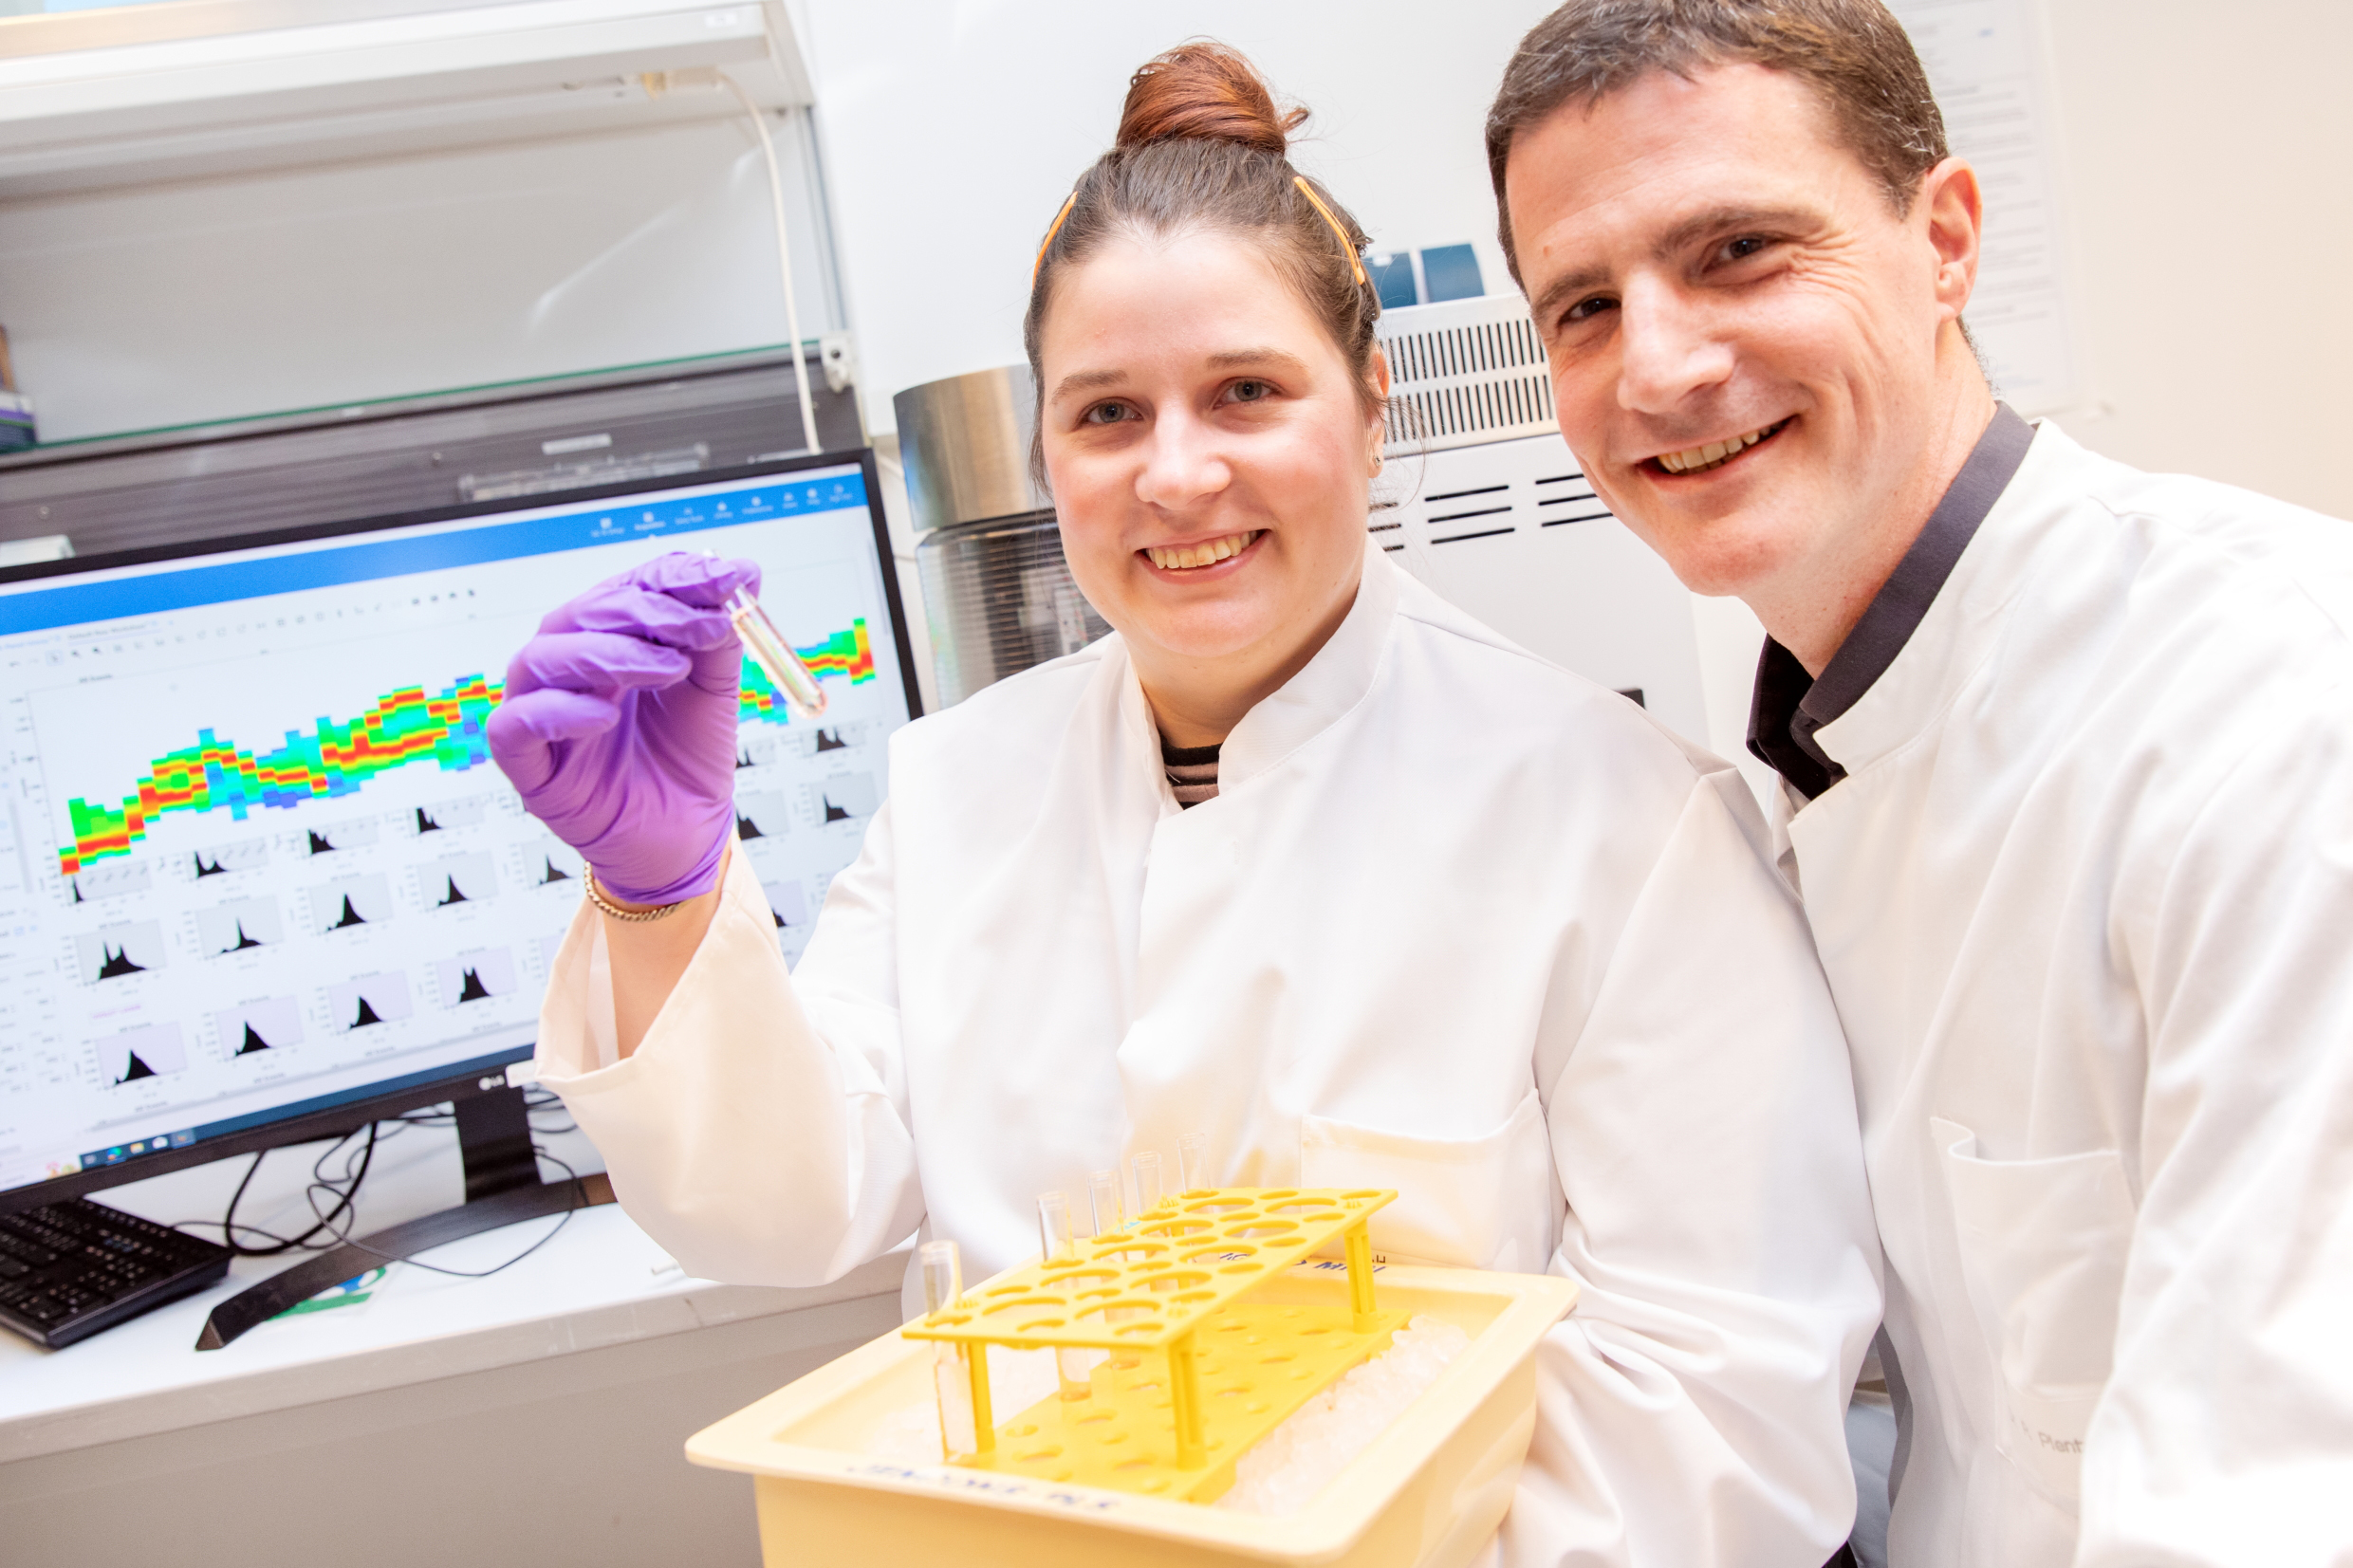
{"x": 1191, "y": 772}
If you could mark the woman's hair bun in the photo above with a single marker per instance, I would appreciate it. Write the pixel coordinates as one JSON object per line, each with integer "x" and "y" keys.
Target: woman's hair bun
{"x": 1204, "y": 91}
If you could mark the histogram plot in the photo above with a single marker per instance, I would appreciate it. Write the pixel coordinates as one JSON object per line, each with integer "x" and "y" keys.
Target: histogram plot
{"x": 456, "y": 879}
{"x": 843, "y": 798}
{"x": 787, "y": 904}
{"x": 226, "y": 859}
{"x": 116, "y": 952}
{"x": 357, "y": 834}
{"x": 476, "y": 976}
{"x": 549, "y": 862}
{"x": 250, "y": 1028}
{"x": 238, "y": 926}
{"x": 346, "y": 903}
{"x": 445, "y": 815}
{"x": 150, "y": 1051}
{"x": 842, "y": 736}
{"x": 762, "y": 816}
{"x": 369, "y": 1000}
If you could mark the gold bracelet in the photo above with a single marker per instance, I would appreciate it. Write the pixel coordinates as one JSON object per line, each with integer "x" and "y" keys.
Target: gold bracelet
{"x": 605, "y": 906}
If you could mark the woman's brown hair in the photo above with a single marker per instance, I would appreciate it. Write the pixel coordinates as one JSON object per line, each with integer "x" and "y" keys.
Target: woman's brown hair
{"x": 1202, "y": 145}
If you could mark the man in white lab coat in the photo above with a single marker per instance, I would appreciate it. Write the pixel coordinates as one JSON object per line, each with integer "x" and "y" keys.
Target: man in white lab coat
{"x": 2067, "y": 762}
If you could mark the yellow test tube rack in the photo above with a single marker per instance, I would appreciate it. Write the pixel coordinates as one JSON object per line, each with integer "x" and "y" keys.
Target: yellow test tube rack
{"x": 1195, "y": 1373}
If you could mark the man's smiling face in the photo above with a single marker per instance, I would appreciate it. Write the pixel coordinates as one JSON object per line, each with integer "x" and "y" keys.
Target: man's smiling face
{"x": 1743, "y": 332}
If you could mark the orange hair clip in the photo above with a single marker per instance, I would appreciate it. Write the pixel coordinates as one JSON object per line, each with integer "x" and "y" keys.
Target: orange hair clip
{"x": 1055, "y": 227}
{"x": 1307, "y": 191}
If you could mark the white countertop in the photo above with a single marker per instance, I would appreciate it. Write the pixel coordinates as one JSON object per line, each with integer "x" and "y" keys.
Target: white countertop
{"x": 599, "y": 1282}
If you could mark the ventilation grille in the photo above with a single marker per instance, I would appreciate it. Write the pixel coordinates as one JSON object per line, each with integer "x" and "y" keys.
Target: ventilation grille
{"x": 1511, "y": 499}
{"x": 1462, "y": 373}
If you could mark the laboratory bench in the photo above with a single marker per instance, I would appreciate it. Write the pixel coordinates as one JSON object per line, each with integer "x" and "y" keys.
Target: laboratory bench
{"x": 533, "y": 1415}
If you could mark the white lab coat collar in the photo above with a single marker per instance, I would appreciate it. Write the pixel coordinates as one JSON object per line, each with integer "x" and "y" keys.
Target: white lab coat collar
{"x": 1960, "y": 632}
{"x": 1334, "y": 681}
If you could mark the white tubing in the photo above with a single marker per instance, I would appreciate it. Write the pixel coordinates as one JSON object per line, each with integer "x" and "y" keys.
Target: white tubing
{"x": 783, "y": 258}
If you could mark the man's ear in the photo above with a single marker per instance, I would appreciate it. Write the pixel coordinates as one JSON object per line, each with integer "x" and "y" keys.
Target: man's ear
{"x": 1951, "y": 208}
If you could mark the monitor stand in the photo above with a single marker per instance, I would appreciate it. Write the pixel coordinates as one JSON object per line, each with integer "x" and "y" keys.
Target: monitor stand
{"x": 503, "y": 1185}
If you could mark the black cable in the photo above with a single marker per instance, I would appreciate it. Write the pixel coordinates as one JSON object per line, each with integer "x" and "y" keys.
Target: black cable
{"x": 346, "y": 1190}
{"x": 277, "y": 1246}
{"x": 563, "y": 1218}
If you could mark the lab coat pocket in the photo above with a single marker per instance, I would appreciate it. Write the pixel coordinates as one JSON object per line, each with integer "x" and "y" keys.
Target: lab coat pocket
{"x": 2042, "y": 1245}
{"x": 1486, "y": 1202}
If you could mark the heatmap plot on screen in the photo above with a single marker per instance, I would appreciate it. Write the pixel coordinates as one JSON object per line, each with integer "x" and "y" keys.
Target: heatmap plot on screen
{"x": 258, "y": 851}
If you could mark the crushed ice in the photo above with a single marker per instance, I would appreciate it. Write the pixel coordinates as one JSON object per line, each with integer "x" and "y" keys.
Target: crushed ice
{"x": 1283, "y": 1473}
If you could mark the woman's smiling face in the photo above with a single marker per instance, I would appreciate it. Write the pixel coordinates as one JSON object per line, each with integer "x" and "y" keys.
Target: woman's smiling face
{"x": 1210, "y": 452}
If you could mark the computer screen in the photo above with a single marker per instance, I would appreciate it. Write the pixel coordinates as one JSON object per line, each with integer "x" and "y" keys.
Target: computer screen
{"x": 259, "y": 865}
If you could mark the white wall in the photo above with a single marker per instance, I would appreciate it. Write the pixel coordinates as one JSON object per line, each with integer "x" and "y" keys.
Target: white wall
{"x": 174, "y": 303}
{"x": 953, "y": 130}
{"x": 2203, "y": 168}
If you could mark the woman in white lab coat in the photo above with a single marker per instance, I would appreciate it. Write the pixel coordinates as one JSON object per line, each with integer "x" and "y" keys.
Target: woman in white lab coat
{"x": 1300, "y": 856}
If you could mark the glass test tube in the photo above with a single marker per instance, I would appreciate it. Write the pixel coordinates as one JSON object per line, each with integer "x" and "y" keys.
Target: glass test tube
{"x": 772, "y": 654}
{"x": 1055, "y": 1241}
{"x": 1103, "y": 1197}
{"x": 1192, "y": 1161}
{"x": 1146, "y": 1169}
{"x": 1071, "y": 1363}
{"x": 951, "y": 1383}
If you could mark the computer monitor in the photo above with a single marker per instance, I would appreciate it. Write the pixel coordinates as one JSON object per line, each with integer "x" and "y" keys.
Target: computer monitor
{"x": 263, "y": 882}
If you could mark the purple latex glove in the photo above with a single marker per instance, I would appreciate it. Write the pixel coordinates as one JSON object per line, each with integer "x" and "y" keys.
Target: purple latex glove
{"x": 618, "y": 725}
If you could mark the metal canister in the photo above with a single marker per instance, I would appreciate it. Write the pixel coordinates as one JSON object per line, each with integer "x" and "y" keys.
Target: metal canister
{"x": 997, "y": 594}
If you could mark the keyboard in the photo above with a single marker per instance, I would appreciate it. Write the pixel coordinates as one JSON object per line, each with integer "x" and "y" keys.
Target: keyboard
{"x": 72, "y": 1268}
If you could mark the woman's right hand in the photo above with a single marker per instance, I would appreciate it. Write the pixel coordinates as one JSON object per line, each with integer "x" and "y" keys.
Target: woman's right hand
{"x": 618, "y": 725}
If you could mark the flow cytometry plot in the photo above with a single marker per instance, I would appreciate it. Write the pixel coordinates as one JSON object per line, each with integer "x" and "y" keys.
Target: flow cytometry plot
{"x": 239, "y": 925}
{"x": 224, "y": 860}
{"x": 832, "y": 737}
{"x": 369, "y": 1000}
{"x": 456, "y": 879}
{"x": 476, "y": 976}
{"x": 356, "y": 835}
{"x": 787, "y": 903}
{"x": 115, "y": 953}
{"x": 762, "y": 816}
{"x": 551, "y": 862}
{"x": 349, "y": 902}
{"x": 843, "y": 798}
{"x": 448, "y": 814}
{"x": 249, "y": 1028}
{"x": 109, "y": 879}
{"x": 754, "y": 750}
{"x": 150, "y": 1051}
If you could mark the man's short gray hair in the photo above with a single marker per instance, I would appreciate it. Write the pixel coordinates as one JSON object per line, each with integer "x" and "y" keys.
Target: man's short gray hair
{"x": 1853, "y": 53}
